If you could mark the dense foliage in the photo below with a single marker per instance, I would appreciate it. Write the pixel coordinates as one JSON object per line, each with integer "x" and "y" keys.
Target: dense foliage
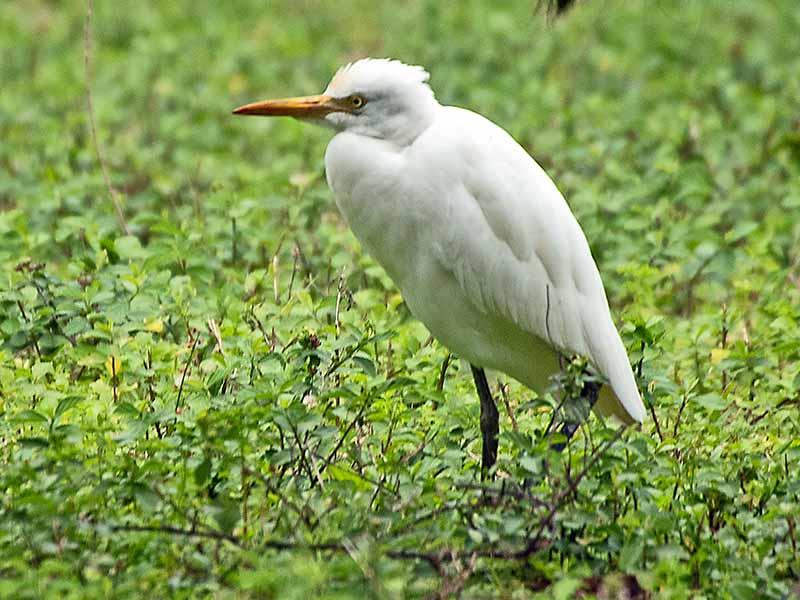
{"x": 222, "y": 395}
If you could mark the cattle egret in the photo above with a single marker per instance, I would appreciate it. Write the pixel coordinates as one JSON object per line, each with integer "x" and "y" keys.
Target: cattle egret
{"x": 481, "y": 243}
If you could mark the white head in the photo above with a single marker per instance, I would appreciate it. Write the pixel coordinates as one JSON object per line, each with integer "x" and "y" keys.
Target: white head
{"x": 378, "y": 98}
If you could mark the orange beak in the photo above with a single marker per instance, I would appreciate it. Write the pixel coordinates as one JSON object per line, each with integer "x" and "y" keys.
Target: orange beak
{"x": 304, "y": 107}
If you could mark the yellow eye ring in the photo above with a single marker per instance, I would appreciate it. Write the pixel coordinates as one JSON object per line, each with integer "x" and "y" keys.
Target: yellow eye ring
{"x": 357, "y": 101}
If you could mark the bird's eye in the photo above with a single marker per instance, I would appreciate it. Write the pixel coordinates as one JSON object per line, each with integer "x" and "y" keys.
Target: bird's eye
{"x": 357, "y": 101}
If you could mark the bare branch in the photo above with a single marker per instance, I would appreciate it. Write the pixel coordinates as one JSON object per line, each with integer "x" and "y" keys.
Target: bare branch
{"x": 214, "y": 329}
{"x": 215, "y": 535}
{"x": 507, "y": 402}
{"x": 185, "y": 370}
{"x": 87, "y": 65}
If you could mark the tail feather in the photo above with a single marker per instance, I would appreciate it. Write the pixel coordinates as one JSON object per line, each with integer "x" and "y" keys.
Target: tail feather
{"x": 621, "y": 397}
{"x": 609, "y": 405}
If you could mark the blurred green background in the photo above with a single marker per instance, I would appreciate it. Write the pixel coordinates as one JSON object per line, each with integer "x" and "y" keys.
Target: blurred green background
{"x": 673, "y": 129}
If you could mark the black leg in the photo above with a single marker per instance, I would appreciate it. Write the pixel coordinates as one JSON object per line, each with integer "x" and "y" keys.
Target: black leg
{"x": 490, "y": 422}
{"x": 589, "y": 394}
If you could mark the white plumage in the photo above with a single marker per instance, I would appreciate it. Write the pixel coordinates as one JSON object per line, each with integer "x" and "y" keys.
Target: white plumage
{"x": 481, "y": 243}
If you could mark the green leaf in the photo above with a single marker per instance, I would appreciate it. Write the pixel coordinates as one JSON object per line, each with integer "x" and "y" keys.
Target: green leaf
{"x": 34, "y": 442}
{"x": 341, "y": 474}
{"x": 202, "y": 472}
{"x": 366, "y": 364}
{"x": 631, "y": 554}
{"x": 710, "y": 401}
{"x": 741, "y": 231}
{"x": 226, "y": 514}
{"x": 531, "y": 464}
{"x": 29, "y": 416}
{"x": 565, "y": 588}
{"x": 41, "y": 368}
{"x": 129, "y": 247}
{"x": 145, "y": 496}
{"x": 127, "y": 409}
{"x": 65, "y": 404}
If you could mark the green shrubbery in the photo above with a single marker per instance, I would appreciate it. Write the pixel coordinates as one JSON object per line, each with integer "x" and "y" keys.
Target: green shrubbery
{"x": 232, "y": 400}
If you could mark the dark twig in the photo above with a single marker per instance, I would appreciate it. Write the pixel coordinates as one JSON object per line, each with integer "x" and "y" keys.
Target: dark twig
{"x": 343, "y": 437}
{"x": 507, "y": 402}
{"x": 312, "y": 475}
{"x": 44, "y": 294}
{"x": 114, "y": 377}
{"x": 148, "y": 365}
{"x": 532, "y": 545}
{"x": 295, "y": 259}
{"x": 87, "y": 64}
{"x": 339, "y": 290}
{"x": 269, "y": 340}
{"x": 433, "y": 558}
{"x": 339, "y": 361}
{"x": 302, "y": 513}
{"x": 508, "y": 490}
{"x": 214, "y": 535}
{"x": 405, "y": 459}
{"x": 33, "y": 336}
{"x": 677, "y": 419}
{"x": 380, "y": 486}
{"x": 654, "y": 415}
{"x": 692, "y": 281}
{"x": 183, "y": 375}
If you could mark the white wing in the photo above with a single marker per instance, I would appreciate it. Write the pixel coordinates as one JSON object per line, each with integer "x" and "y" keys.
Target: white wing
{"x": 517, "y": 251}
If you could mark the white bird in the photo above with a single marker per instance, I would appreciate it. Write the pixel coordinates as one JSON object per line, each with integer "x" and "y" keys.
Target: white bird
{"x": 481, "y": 243}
